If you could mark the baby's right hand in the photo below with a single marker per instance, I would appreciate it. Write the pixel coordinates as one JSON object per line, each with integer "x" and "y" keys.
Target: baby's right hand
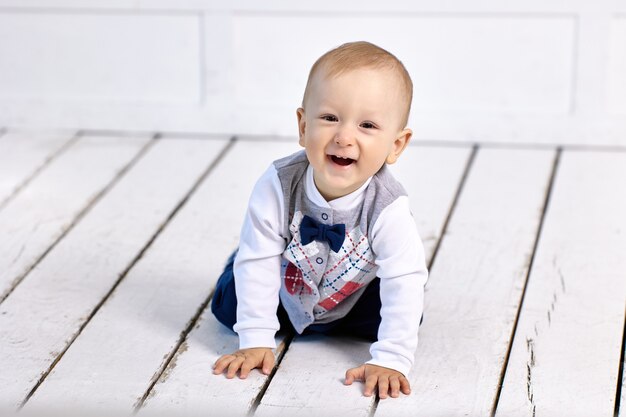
{"x": 246, "y": 360}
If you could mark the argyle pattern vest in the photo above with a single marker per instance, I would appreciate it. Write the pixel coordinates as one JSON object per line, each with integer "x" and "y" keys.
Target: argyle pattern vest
{"x": 318, "y": 284}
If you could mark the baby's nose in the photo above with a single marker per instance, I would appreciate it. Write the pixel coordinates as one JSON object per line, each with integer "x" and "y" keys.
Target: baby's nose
{"x": 344, "y": 137}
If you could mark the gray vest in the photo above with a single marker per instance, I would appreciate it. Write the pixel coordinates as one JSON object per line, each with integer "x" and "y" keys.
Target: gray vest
{"x": 318, "y": 284}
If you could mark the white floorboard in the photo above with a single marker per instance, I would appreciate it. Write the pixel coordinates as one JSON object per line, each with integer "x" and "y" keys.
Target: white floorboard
{"x": 141, "y": 323}
{"x": 310, "y": 381}
{"x": 46, "y": 311}
{"x": 475, "y": 286}
{"x": 565, "y": 357}
{"x": 189, "y": 384}
{"x": 83, "y": 224}
{"x": 22, "y": 154}
{"x": 431, "y": 176}
{"x": 42, "y": 212}
{"x": 314, "y": 369}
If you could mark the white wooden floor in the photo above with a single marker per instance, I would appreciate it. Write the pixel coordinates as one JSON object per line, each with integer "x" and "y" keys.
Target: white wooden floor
{"x": 110, "y": 246}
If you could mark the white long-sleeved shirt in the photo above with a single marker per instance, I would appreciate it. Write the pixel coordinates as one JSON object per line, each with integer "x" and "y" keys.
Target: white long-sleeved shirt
{"x": 399, "y": 258}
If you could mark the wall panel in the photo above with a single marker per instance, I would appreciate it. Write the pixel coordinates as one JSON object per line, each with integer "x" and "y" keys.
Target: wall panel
{"x": 535, "y": 71}
{"x": 486, "y": 63}
{"x": 100, "y": 57}
{"x": 617, "y": 66}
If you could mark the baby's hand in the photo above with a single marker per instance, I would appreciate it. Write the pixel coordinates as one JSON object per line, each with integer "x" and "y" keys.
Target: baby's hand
{"x": 246, "y": 360}
{"x": 388, "y": 380}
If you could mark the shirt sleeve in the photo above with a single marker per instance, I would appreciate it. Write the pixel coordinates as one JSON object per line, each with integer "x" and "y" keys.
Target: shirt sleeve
{"x": 257, "y": 264}
{"x": 403, "y": 274}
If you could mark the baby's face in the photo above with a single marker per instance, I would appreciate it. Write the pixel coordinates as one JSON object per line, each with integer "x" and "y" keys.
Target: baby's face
{"x": 351, "y": 126}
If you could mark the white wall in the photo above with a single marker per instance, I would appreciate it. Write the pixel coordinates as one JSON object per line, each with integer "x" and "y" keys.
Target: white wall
{"x": 516, "y": 71}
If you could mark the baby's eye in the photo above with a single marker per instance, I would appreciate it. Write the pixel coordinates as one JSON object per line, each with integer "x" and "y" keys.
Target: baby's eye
{"x": 329, "y": 118}
{"x": 368, "y": 125}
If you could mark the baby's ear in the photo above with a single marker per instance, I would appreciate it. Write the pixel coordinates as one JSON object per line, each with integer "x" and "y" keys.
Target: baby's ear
{"x": 401, "y": 142}
{"x": 301, "y": 124}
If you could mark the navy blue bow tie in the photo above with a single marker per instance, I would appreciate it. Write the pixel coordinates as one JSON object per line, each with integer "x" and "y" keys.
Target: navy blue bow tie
{"x": 311, "y": 229}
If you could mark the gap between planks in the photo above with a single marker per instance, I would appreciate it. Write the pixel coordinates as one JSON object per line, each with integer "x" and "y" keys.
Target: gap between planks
{"x": 455, "y": 200}
{"x": 580, "y": 365}
{"x": 430, "y": 264}
{"x": 204, "y": 305}
{"x": 185, "y": 384}
{"x": 273, "y": 402}
{"x": 620, "y": 394}
{"x": 282, "y": 350}
{"x": 81, "y": 214}
{"x": 534, "y": 249}
{"x": 444, "y": 228}
{"x": 555, "y": 164}
{"x": 46, "y": 162}
{"x": 129, "y": 267}
{"x": 488, "y": 245}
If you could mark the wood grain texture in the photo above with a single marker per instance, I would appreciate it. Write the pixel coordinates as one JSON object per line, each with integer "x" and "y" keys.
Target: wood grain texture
{"x": 475, "y": 286}
{"x": 142, "y": 321}
{"x": 312, "y": 373}
{"x": 566, "y": 352}
{"x": 431, "y": 175}
{"x": 188, "y": 385}
{"x": 568, "y": 336}
{"x": 23, "y": 154}
{"x": 45, "y": 313}
{"x": 44, "y": 210}
{"x": 310, "y": 381}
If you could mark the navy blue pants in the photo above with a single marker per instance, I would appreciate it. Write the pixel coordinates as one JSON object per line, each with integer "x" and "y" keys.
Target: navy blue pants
{"x": 362, "y": 321}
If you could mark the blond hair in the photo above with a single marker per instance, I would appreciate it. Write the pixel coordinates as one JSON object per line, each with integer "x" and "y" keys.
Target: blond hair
{"x": 356, "y": 55}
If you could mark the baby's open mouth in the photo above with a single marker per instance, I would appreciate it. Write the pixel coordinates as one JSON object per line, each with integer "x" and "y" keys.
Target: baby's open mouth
{"x": 341, "y": 161}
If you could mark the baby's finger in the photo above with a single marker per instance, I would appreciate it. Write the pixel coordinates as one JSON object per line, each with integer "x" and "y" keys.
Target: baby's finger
{"x": 221, "y": 363}
{"x": 247, "y": 365}
{"x": 383, "y": 387}
{"x": 349, "y": 377}
{"x": 394, "y": 386}
{"x": 370, "y": 385}
{"x": 234, "y": 367}
{"x": 405, "y": 386}
{"x": 268, "y": 363}
{"x": 354, "y": 374}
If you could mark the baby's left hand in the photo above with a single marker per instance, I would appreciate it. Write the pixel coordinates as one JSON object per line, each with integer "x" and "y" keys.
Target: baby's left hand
{"x": 388, "y": 380}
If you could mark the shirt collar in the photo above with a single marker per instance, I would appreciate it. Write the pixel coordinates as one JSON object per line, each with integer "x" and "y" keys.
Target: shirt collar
{"x": 346, "y": 202}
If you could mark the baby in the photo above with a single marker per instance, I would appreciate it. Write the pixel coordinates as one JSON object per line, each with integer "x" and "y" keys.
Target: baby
{"x": 329, "y": 244}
